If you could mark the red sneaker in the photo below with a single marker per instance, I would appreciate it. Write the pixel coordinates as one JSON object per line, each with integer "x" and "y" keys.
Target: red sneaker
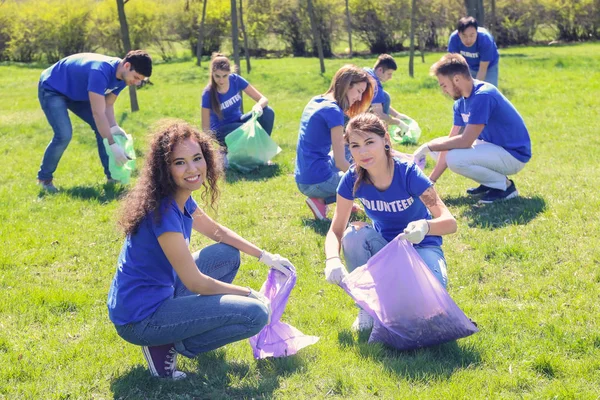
{"x": 162, "y": 361}
{"x": 318, "y": 207}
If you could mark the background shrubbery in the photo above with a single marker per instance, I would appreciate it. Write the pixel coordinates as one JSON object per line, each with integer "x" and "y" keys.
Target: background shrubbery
{"x": 47, "y": 30}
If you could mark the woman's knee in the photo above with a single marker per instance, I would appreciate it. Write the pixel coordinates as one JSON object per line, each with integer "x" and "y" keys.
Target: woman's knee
{"x": 355, "y": 238}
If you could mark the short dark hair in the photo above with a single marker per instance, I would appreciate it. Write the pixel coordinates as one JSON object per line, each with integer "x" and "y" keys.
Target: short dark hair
{"x": 140, "y": 61}
{"x": 386, "y": 62}
{"x": 466, "y": 22}
{"x": 449, "y": 65}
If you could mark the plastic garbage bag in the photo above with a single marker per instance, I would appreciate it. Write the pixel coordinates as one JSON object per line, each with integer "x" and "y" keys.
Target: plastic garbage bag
{"x": 279, "y": 339}
{"x": 249, "y": 146}
{"x": 410, "y": 307}
{"x": 121, "y": 173}
{"x": 410, "y": 137}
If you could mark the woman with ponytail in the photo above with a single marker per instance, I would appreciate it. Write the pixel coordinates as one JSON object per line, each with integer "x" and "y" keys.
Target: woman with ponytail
{"x": 398, "y": 198}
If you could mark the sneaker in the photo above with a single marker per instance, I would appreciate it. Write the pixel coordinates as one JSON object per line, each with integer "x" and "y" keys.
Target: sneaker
{"x": 494, "y": 195}
{"x": 47, "y": 185}
{"x": 356, "y": 208}
{"x": 318, "y": 207}
{"x": 476, "y": 191}
{"x": 362, "y": 322}
{"x": 162, "y": 361}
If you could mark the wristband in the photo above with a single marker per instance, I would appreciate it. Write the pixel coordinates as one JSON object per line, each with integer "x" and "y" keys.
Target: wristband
{"x": 331, "y": 258}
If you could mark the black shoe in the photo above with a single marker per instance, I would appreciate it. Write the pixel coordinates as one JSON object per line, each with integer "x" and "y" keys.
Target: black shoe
{"x": 498, "y": 195}
{"x": 476, "y": 191}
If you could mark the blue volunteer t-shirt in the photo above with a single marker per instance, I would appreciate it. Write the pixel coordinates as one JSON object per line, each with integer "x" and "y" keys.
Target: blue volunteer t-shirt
{"x": 231, "y": 102}
{"x": 391, "y": 210}
{"x": 378, "y": 96}
{"x": 144, "y": 278}
{"x": 314, "y": 140}
{"x": 504, "y": 126}
{"x": 484, "y": 49}
{"x": 78, "y": 74}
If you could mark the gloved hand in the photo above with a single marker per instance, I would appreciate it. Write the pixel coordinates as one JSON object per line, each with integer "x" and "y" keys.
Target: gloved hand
{"x": 257, "y": 109}
{"x": 117, "y": 130}
{"x": 402, "y": 125}
{"x": 277, "y": 262}
{"x": 335, "y": 271}
{"x": 120, "y": 157}
{"x": 261, "y": 297}
{"x": 415, "y": 231}
{"x": 421, "y": 152}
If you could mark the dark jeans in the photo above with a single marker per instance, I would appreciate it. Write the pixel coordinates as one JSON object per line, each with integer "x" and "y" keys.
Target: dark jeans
{"x": 266, "y": 120}
{"x": 55, "y": 106}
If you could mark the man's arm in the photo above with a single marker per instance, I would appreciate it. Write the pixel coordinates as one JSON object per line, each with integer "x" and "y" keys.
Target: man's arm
{"x": 99, "y": 110}
{"x": 110, "y": 109}
{"x": 483, "y": 67}
{"x": 441, "y": 165}
{"x": 463, "y": 141}
{"x": 388, "y": 118}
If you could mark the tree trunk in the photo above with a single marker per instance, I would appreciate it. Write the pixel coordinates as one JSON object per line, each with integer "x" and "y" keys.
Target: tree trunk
{"x": 475, "y": 9}
{"x": 316, "y": 34}
{"x": 127, "y": 47}
{"x": 349, "y": 23}
{"x": 413, "y": 22}
{"x": 200, "y": 43}
{"x": 234, "y": 40}
{"x": 493, "y": 18}
{"x": 246, "y": 50}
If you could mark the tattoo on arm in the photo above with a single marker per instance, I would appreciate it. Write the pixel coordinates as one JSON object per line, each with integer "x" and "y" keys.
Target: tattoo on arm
{"x": 430, "y": 198}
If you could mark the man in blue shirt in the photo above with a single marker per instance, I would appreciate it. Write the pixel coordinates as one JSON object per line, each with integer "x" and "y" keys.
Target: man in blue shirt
{"x": 477, "y": 46}
{"x": 489, "y": 139}
{"x": 381, "y": 104}
{"x": 87, "y": 84}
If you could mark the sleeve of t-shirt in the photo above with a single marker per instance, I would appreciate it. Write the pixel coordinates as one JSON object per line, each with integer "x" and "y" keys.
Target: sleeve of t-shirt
{"x": 191, "y": 205}
{"x": 416, "y": 180}
{"x": 333, "y": 116}
{"x": 240, "y": 82}
{"x": 458, "y": 120}
{"x": 117, "y": 91}
{"x": 98, "y": 80}
{"x": 485, "y": 47}
{"x": 379, "y": 97}
{"x": 206, "y": 99}
{"x": 452, "y": 45}
{"x": 170, "y": 220}
{"x": 481, "y": 109}
{"x": 346, "y": 185}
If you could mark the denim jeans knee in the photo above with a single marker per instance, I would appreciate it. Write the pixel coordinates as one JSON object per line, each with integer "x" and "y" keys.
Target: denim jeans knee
{"x": 434, "y": 258}
{"x": 359, "y": 245}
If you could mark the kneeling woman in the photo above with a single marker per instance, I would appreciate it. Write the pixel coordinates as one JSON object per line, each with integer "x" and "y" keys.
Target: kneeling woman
{"x": 163, "y": 297}
{"x": 397, "y": 197}
{"x": 222, "y": 101}
{"x": 322, "y": 129}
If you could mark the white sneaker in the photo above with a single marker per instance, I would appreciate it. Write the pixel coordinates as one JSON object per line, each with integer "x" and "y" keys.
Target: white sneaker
{"x": 362, "y": 322}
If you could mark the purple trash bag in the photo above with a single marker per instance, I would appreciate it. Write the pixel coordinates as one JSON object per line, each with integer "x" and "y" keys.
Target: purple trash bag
{"x": 410, "y": 307}
{"x": 278, "y": 339}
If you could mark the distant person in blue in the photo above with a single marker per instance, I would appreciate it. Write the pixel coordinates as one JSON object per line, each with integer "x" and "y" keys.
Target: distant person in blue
{"x": 322, "y": 129}
{"x": 398, "y": 198}
{"x": 477, "y": 46}
{"x": 163, "y": 297}
{"x": 87, "y": 84}
{"x": 222, "y": 101}
{"x": 488, "y": 141}
{"x": 381, "y": 104}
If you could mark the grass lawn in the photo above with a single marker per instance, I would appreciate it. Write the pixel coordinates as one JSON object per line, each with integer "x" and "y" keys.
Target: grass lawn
{"x": 527, "y": 271}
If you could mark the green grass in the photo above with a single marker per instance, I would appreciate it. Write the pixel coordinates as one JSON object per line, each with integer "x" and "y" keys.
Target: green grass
{"x": 527, "y": 271}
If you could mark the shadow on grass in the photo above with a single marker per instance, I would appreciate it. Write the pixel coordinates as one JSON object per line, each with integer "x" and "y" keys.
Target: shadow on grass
{"x": 439, "y": 361}
{"x": 518, "y": 211}
{"x": 211, "y": 377}
{"x": 263, "y": 172}
{"x": 320, "y": 227}
{"x": 104, "y": 193}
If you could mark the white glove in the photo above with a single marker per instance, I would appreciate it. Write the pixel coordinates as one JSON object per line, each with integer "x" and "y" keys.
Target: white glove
{"x": 120, "y": 157}
{"x": 261, "y": 297}
{"x": 335, "y": 271}
{"x": 277, "y": 262}
{"x": 415, "y": 231}
{"x": 117, "y": 130}
{"x": 421, "y": 152}
{"x": 257, "y": 109}
{"x": 402, "y": 126}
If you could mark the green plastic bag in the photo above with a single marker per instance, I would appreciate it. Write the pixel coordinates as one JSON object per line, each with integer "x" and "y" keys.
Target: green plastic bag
{"x": 123, "y": 173}
{"x": 249, "y": 146}
{"x": 410, "y": 137}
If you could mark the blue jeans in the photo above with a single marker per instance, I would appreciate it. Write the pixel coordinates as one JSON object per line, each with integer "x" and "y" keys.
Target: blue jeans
{"x": 326, "y": 190}
{"x": 359, "y": 245}
{"x": 491, "y": 75}
{"x": 197, "y": 323}
{"x": 266, "y": 120}
{"x": 387, "y": 103}
{"x": 55, "y": 106}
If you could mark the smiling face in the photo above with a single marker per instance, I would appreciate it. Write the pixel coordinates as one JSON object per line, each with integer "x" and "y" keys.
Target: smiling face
{"x": 131, "y": 77}
{"x": 188, "y": 166}
{"x": 468, "y": 37}
{"x": 221, "y": 78}
{"x": 355, "y": 92}
{"x": 367, "y": 149}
